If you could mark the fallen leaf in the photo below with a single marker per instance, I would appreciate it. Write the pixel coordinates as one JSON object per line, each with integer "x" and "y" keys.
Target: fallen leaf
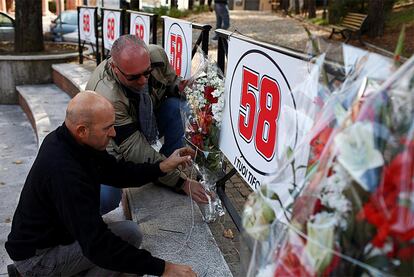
{"x": 17, "y": 162}
{"x": 2, "y": 183}
{"x": 7, "y": 220}
{"x": 228, "y": 233}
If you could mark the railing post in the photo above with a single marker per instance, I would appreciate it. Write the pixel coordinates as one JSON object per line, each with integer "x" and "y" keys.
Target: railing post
{"x": 80, "y": 48}
{"x": 154, "y": 28}
{"x": 205, "y": 34}
{"x": 221, "y": 52}
{"x": 98, "y": 55}
{"x": 102, "y": 34}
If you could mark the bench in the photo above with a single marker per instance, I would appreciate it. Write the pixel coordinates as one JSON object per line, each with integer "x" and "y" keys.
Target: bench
{"x": 350, "y": 26}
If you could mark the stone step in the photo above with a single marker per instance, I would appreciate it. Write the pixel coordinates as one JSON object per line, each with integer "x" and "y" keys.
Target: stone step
{"x": 71, "y": 77}
{"x": 45, "y": 106}
{"x": 174, "y": 230}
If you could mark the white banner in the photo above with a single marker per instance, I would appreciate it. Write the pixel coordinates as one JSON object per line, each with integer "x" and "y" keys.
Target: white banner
{"x": 178, "y": 36}
{"x": 87, "y": 24}
{"x": 140, "y": 26}
{"x": 111, "y": 27}
{"x": 263, "y": 118}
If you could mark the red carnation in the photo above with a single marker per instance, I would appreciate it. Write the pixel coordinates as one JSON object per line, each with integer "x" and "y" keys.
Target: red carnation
{"x": 208, "y": 94}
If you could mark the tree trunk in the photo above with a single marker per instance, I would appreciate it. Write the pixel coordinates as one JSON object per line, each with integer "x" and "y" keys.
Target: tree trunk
{"x": 297, "y": 7}
{"x": 376, "y": 18}
{"x": 284, "y": 5}
{"x": 311, "y": 8}
{"x": 335, "y": 11}
{"x": 305, "y": 6}
{"x": 134, "y": 5}
{"x": 29, "y": 28}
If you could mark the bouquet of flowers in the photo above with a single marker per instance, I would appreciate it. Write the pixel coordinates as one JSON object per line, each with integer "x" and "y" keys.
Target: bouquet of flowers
{"x": 291, "y": 252}
{"x": 203, "y": 116}
{"x": 355, "y": 215}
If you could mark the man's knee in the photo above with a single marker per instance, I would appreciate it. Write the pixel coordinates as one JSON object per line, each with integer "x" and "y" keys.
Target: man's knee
{"x": 128, "y": 230}
{"x": 171, "y": 107}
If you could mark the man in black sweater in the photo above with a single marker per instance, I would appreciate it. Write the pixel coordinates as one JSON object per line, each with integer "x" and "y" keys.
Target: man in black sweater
{"x": 57, "y": 228}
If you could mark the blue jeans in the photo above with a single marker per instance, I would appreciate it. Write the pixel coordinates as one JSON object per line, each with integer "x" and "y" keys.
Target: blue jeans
{"x": 170, "y": 124}
{"x": 222, "y": 16}
{"x": 171, "y": 127}
{"x": 110, "y": 198}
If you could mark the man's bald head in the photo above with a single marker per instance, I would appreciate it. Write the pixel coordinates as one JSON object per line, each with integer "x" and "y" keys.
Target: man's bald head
{"x": 84, "y": 107}
{"x": 90, "y": 118}
{"x": 128, "y": 48}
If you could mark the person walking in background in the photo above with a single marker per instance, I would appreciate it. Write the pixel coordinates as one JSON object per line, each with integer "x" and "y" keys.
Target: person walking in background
{"x": 222, "y": 15}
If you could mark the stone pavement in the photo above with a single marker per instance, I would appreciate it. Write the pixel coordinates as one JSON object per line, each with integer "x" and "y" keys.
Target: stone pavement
{"x": 264, "y": 26}
{"x": 18, "y": 147}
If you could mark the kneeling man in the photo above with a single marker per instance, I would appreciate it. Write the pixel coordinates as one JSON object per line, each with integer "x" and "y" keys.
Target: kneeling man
{"x": 57, "y": 227}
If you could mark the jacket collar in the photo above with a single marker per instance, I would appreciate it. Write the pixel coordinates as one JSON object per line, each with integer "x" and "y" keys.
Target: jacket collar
{"x": 64, "y": 134}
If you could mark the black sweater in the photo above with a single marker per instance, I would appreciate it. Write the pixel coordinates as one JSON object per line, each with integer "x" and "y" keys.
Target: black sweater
{"x": 59, "y": 205}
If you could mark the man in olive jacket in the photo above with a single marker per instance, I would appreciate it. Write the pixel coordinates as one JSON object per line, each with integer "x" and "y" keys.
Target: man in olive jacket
{"x": 147, "y": 96}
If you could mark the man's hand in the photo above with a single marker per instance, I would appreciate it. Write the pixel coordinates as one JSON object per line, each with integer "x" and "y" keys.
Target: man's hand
{"x": 198, "y": 193}
{"x": 176, "y": 270}
{"x": 179, "y": 157}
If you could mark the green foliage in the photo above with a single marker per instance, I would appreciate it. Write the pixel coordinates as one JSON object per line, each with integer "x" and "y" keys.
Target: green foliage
{"x": 200, "y": 9}
{"x": 52, "y": 6}
{"x": 319, "y": 21}
{"x": 396, "y": 19}
{"x": 176, "y": 13}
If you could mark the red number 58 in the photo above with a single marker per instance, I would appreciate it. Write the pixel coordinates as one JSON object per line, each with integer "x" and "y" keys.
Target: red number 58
{"x": 263, "y": 125}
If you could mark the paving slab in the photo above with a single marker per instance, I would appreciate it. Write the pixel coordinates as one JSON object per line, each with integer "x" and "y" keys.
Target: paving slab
{"x": 18, "y": 148}
{"x": 174, "y": 230}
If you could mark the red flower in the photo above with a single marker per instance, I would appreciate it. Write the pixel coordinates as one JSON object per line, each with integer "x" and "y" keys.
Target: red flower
{"x": 318, "y": 143}
{"x": 389, "y": 207}
{"x": 197, "y": 140}
{"x": 304, "y": 207}
{"x": 205, "y": 120}
{"x": 208, "y": 94}
{"x": 290, "y": 262}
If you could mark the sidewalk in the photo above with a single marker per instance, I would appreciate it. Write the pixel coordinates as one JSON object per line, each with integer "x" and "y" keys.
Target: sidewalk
{"x": 18, "y": 147}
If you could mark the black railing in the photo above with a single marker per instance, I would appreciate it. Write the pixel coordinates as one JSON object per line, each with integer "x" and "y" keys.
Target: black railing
{"x": 201, "y": 40}
{"x": 81, "y": 43}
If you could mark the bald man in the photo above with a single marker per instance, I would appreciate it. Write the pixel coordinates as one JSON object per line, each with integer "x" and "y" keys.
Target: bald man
{"x": 140, "y": 112}
{"x": 57, "y": 228}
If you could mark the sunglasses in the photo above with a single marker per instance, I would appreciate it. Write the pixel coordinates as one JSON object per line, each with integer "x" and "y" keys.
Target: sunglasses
{"x": 134, "y": 77}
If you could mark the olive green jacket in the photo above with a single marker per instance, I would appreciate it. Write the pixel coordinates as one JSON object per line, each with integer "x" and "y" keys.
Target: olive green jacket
{"x": 164, "y": 83}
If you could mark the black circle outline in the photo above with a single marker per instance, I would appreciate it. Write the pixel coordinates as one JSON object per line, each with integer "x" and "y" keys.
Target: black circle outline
{"x": 185, "y": 39}
{"x": 231, "y": 118}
